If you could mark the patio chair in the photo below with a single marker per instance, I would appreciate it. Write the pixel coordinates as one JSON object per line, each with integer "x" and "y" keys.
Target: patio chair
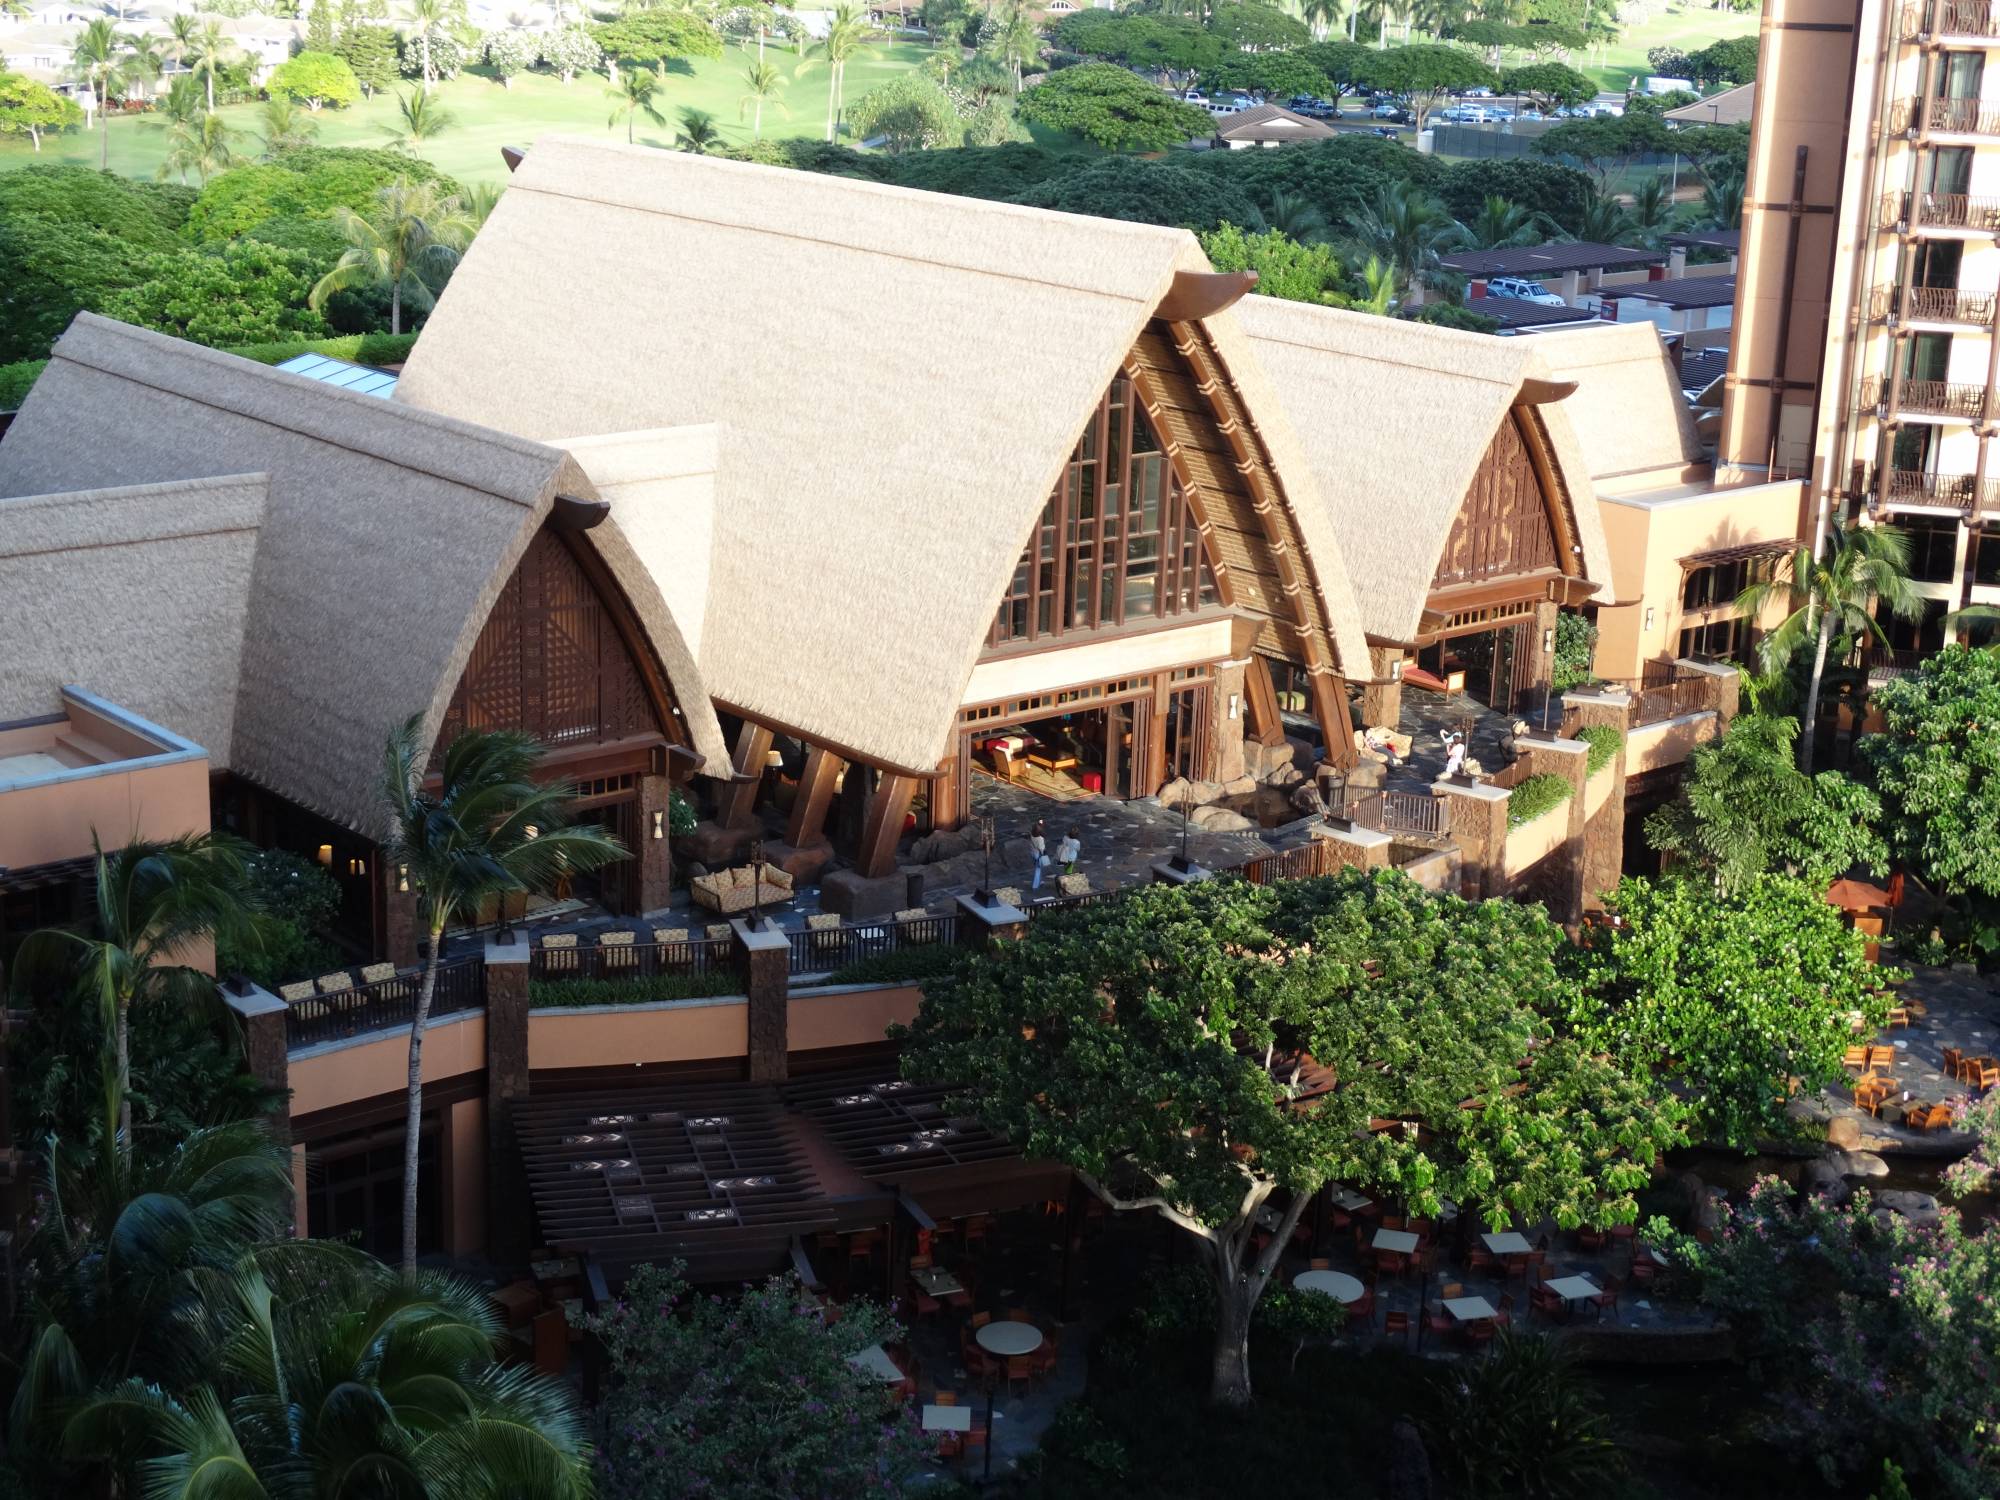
{"x": 1020, "y": 1371}
{"x": 376, "y": 973}
{"x": 1588, "y": 1237}
{"x": 1478, "y": 1258}
{"x": 1319, "y": 1263}
{"x": 335, "y": 984}
{"x": 1505, "y": 1317}
{"x": 617, "y": 952}
{"x": 1440, "y": 1322}
{"x": 1899, "y": 1015}
{"x": 1856, "y": 1057}
{"x": 1936, "y": 1117}
{"x": 1881, "y": 1057}
{"x": 1480, "y": 1333}
{"x": 1950, "y": 1058}
{"x": 1391, "y": 1262}
{"x": 292, "y": 994}
{"x": 559, "y": 953}
{"x": 717, "y": 932}
{"x": 1362, "y": 1307}
{"x": 1613, "y": 1285}
{"x": 1542, "y": 1300}
{"x": 1396, "y": 1325}
{"x": 1988, "y": 1073}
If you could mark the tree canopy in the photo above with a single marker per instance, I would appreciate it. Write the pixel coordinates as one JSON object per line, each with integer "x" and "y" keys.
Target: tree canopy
{"x": 33, "y": 109}
{"x": 1205, "y": 1050}
{"x": 1111, "y": 107}
{"x": 1256, "y": 26}
{"x": 1422, "y": 74}
{"x": 1728, "y": 995}
{"x": 315, "y": 79}
{"x": 247, "y": 292}
{"x": 640, "y": 38}
{"x": 1285, "y": 268}
{"x": 1936, "y": 766}
{"x": 1550, "y": 85}
{"x": 910, "y": 112}
{"x": 1145, "y": 192}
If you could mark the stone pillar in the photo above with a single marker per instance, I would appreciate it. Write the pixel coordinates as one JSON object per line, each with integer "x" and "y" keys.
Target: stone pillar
{"x": 1228, "y": 716}
{"x": 764, "y": 958}
{"x": 401, "y": 937}
{"x": 1560, "y": 878}
{"x": 1384, "y": 704}
{"x": 266, "y": 1051}
{"x": 1166, "y": 872}
{"x": 1725, "y": 686}
{"x": 983, "y": 927}
{"x": 508, "y": 1208}
{"x": 1572, "y": 286}
{"x": 1478, "y": 820}
{"x": 1538, "y": 661}
{"x": 1363, "y": 848}
{"x": 1603, "y": 835}
{"x": 655, "y": 851}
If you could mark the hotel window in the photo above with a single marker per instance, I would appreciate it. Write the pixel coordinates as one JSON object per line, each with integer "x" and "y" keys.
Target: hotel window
{"x": 1718, "y": 584}
{"x": 1719, "y": 640}
{"x": 1984, "y": 560}
{"x": 1933, "y": 548}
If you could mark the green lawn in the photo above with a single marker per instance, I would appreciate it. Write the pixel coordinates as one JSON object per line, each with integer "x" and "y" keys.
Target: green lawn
{"x": 489, "y": 116}
{"x": 1688, "y": 27}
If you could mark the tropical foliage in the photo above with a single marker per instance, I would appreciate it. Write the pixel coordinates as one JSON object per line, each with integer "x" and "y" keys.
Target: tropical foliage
{"x": 315, "y": 79}
{"x": 245, "y": 293}
{"x": 1539, "y": 794}
{"x": 1523, "y": 1421}
{"x": 34, "y": 109}
{"x": 1111, "y": 107}
{"x": 411, "y": 234}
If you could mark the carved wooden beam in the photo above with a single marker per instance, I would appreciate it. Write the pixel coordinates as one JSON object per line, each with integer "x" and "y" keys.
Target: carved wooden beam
{"x": 882, "y": 825}
{"x": 513, "y": 156}
{"x": 1202, "y": 294}
{"x": 1542, "y": 392}
{"x": 753, "y": 743}
{"x": 574, "y": 513}
{"x": 815, "y": 794}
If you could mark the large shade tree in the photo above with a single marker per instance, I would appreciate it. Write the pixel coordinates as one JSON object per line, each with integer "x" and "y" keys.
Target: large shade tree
{"x": 487, "y": 828}
{"x": 1424, "y": 75}
{"x": 1113, "y": 108}
{"x": 1221, "y": 1050}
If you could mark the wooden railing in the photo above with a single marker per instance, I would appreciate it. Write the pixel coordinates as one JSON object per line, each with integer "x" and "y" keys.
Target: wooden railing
{"x": 1957, "y": 116}
{"x": 461, "y": 985}
{"x": 825, "y": 950}
{"x": 1975, "y": 18}
{"x": 589, "y": 960}
{"x": 1885, "y": 662}
{"x": 1944, "y": 398}
{"x": 1940, "y": 211}
{"x": 1933, "y": 304}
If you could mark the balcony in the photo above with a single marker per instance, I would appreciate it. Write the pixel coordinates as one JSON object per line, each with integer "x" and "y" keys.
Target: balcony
{"x": 1909, "y": 489}
{"x": 1944, "y": 117}
{"x": 1919, "y": 211}
{"x": 1933, "y": 304}
{"x": 1976, "y": 20}
{"x": 1937, "y": 398}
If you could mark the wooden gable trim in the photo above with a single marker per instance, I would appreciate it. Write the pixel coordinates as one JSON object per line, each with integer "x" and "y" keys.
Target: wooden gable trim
{"x": 1555, "y": 493}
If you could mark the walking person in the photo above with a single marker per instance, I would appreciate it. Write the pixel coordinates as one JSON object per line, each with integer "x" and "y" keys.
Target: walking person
{"x": 1068, "y": 851}
{"x": 1038, "y": 849}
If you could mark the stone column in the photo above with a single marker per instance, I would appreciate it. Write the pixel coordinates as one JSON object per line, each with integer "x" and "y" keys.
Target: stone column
{"x": 1559, "y": 879}
{"x": 1603, "y": 835}
{"x": 764, "y": 958}
{"x": 1363, "y": 848}
{"x": 266, "y": 1051}
{"x": 1538, "y": 661}
{"x": 984, "y": 926}
{"x": 1383, "y": 704}
{"x": 655, "y": 851}
{"x": 1478, "y": 820}
{"x": 508, "y": 1208}
{"x": 401, "y": 937}
{"x": 1725, "y": 687}
{"x": 1228, "y": 717}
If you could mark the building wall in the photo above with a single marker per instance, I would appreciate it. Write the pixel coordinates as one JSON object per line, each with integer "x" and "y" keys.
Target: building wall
{"x": 341, "y": 1073}
{"x": 53, "y": 821}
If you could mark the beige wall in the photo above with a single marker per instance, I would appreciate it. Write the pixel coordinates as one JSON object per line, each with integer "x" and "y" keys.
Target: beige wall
{"x": 1648, "y": 536}
{"x": 345, "y": 1072}
{"x": 1098, "y": 661}
{"x": 1531, "y": 843}
{"x": 849, "y": 1015}
{"x": 53, "y": 820}
{"x": 1668, "y": 743}
{"x": 668, "y": 1031}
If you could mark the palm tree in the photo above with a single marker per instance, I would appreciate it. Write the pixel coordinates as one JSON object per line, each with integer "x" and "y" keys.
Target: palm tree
{"x": 286, "y": 127}
{"x": 846, "y": 39}
{"x": 1410, "y": 230}
{"x": 1652, "y": 211}
{"x": 157, "y": 901}
{"x": 1320, "y": 16}
{"x": 697, "y": 134}
{"x": 200, "y": 145}
{"x": 1291, "y": 215}
{"x": 425, "y": 17}
{"x": 325, "y": 1373}
{"x": 763, "y": 82}
{"x": 95, "y": 55}
{"x": 411, "y": 231}
{"x": 1500, "y": 225}
{"x": 183, "y": 35}
{"x": 478, "y": 200}
{"x": 210, "y": 55}
{"x": 1832, "y": 594}
{"x": 1604, "y": 221}
{"x": 420, "y": 118}
{"x": 1015, "y": 43}
{"x": 490, "y": 829}
{"x": 1376, "y": 13}
{"x": 634, "y": 97}
{"x": 1722, "y": 200}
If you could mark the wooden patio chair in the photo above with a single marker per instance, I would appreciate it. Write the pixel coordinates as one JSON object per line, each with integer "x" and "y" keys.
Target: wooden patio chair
{"x": 1542, "y": 1300}
{"x": 1392, "y": 1262}
{"x": 1319, "y": 1263}
{"x": 1020, "y": 1371}
{"x": 1505, "y": 1317}
{"x": 1881, "y": 1057}
{"x": 1936, "y": 1117}
{"x": 1988, "y": 1073}
{"x": 1950, "y": 1058}
{"x": 1899, "y": 1015}
{"x": 1479, "y": 1334}
{"x": 1396, "y": 1325}
{"x": 1856, "y": 1057}
{"x": 1440, "y": 1322}
{"x": 1450, "y": 1290}
{"x": 1608, "y": 1297}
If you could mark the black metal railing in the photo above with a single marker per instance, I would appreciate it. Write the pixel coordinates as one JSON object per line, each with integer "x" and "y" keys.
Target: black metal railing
{"x": 1884, "y": 661}
{"x": 1932, "y": 304}
{"x": 1052, "y": 904}
{"x": 829, "y": 949}
{"x": 1943, "y": 398}
{"x": 586, "y": 960}
{"x": 386, "y": 1003}
{"x": 1940, "y": 211}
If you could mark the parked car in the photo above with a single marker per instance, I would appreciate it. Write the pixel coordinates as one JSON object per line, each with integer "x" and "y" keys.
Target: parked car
{"x": 1388, "y": 132}
{"x": 1521, "y": 289}
{"x": 1388, "y": 112}
{"x": 1194, "y": 96}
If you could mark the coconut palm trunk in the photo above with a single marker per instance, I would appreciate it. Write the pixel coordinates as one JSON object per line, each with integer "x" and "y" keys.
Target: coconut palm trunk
{"x": 413, "y": 1113}
{"x": 1826, "y": 627}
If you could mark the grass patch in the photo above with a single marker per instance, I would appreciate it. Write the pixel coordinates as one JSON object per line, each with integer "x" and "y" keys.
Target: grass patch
{"x": 487, "y": 116}
{"x": 1604, "y": 742}
{"x": 581, "y": 994}
{"x": 1535, "y": 796}
{"x": 1688, "y": 27}
{"x": 901, "y": 966}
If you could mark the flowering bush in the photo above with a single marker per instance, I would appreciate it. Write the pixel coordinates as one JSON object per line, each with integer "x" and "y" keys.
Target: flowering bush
{"x": 1882, "y": 1337}
{"x": 747, "y": 1398}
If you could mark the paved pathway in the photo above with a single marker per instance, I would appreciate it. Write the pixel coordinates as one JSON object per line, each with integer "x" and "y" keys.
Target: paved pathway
{"x": 1950, "y": 1010}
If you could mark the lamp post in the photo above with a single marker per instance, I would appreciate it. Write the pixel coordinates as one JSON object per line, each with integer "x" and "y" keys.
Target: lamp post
{"x": 984, "y": 895}
{"x": 1181, "y": 861}
{"x": 756, "y": 922}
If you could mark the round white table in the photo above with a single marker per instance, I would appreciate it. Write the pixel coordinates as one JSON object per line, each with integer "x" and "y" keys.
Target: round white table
{"x": 1009, "y": 1338}
{"x": 1338, "y": 1285}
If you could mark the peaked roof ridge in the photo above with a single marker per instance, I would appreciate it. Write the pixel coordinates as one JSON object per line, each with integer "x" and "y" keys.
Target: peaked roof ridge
{"x": 850, "y": 213}
{"x": 126, "y": 515}
{"x": 460, "y": 452}
{"x": 1402, "y": 343}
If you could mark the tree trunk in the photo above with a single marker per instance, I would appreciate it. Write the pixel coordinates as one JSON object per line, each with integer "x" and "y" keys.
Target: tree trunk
{"x": 35, "y": 135}
{"x": 413, "y": 1118}
{"x": 395, "y": 307}
{"x": 123, "y": 1045}
{"x": 211, "y": 90}
{"x": 1810, "y": 729}
{"x": 757, "y": 122}
{"x": 1229, "y": 1366}
{"x": 104, "y": 134}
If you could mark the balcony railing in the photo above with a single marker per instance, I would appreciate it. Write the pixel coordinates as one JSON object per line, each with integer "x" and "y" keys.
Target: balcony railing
{"x": 1972, "y": 18}
{"x": 1909, "y": 487}
{"x": 1941, "y": 398}
{"x": 1940, "y": 211}
{"x": 461, "y": 985}
{"x": 1884, "y": 662}
{"x": 1950, "y": 116}
{"x": 826, "y": 950}
{"x": 631, "y": 960}
{"x": 1933, "y": 304}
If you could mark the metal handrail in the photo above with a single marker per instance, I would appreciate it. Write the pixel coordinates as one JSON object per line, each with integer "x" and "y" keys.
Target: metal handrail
{"x": 1933, "y": 304}
{"x": 701, "y": 955}
{"x": 1940, "y": 211}
{"x": 1945, "y": 398}
{"x": 825, "y": 950}
{"x": 1964, "y": 492}
{"x": 386, "y": 1003}
{"x": 1955, "y": 116}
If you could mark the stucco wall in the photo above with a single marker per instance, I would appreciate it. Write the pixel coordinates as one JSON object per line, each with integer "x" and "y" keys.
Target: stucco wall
{"x": 849, "y": 1015}
{"x": 342, "y": 1072}
{"x": 1597, "y": 790}
{"x": 1667, "y": 743}
{"x": 606, "y": 1036}
{"x": 53, "y": 820}
{"x": 1531, "y": 843}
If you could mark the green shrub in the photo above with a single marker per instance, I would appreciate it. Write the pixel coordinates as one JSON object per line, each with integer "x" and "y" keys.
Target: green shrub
{"x": 581, "y": 994}
{"x": 1535, "y": 796}
{"x": 309, "y": 183}
{"x": 1604, "y": 742}
{"x": 82, "y": 197}
{"x": 900, "y": 966}
{"x": 15, "y": 380}
{"x": 1522, "y": 1421}
{"x": 359, "y": 348}
{"x": 297, "y": 899}
{"x": 1576, "y": 642}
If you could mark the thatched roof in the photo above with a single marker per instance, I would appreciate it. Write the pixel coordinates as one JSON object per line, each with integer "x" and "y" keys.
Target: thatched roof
{"x": 897, "y": 378}
{"x": 388, "y": 534}
{"x": 1628, "y": 412}
{"x": 1395, "y": 417}
{"x": 137, "y": 594}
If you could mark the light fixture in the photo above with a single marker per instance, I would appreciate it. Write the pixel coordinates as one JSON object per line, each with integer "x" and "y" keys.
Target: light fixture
{"x": 357, "y": 867}
{"x": 659, "y": 824}
{"x": 402, "y": 877}
{"x": 533, "y": 831}
{"x": 774, "y": 760}
{"x": 1549, "y": 639}
{"x": 1649, "y": 617}
{"x": 1232, "y": 705}
{"x": 326, "y": 855}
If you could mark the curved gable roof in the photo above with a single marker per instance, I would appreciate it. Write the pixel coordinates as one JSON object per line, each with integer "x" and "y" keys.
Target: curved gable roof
{"x": 1628, "y": 411}
{"x": 1394, "y": 418}
{"x": 897, "y": 378}
{"x": 387, "y": 536}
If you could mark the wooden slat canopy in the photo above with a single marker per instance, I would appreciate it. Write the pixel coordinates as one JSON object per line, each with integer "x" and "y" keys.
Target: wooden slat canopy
{"x": 888, "y": 1128}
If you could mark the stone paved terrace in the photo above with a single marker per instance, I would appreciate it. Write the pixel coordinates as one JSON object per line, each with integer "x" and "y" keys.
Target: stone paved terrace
{"x": 1947, "y": 1009}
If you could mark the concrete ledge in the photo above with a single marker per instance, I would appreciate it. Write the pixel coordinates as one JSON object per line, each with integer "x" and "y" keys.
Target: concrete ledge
{"x": 1165, "y": 874}
{"x": 1561, "y": 747}
{"x": 399, "y": 1029}
{"x": 1359, "y": 838}
{"x": 767, "y": 940}
{"x": 696, "y": 1002}
{"x": 1608, "y": 1344}
{"x": 515, "y": 952}
{"x": 1616, "y": 696}
{"x": 259, "y": 1002}
{"x": 1478, "y": 793}
{"x": 999, "y": 914}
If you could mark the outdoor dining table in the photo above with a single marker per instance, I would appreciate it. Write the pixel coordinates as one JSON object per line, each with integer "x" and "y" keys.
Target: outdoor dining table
{"x": 1338, "y": 1285}
{"x": 1507, "y": 1242}
{"x": 875, "y": 1361}
{"x": 936, "y": 1280}
{"x": 1574, "y": 1288}
{"x": 1400, "y": 1241}
{"x": 1347, "y": 1198}
{"x": 947, "y": 1419}
{"x": 1470, "y": 1309}
{"x": 1004, "y": 1339}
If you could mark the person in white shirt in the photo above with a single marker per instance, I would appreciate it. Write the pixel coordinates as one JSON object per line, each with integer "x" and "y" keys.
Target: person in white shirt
{"x": 1454, "y": 754}
{"x": 1038, "y": 848}
{"x": 1068, "y": 851}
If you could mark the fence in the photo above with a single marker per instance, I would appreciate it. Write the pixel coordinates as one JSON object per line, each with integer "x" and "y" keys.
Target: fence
{"x": 826, "y": 950}
{"x": 1412, "y": 814}
{"x": 631, "y": 960}
{"x": 461, "y": 985}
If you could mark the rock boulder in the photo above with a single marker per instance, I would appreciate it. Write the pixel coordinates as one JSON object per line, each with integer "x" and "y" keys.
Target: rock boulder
{"x": 1921, "y": 1209}
{"x": 1220, "y": 820}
